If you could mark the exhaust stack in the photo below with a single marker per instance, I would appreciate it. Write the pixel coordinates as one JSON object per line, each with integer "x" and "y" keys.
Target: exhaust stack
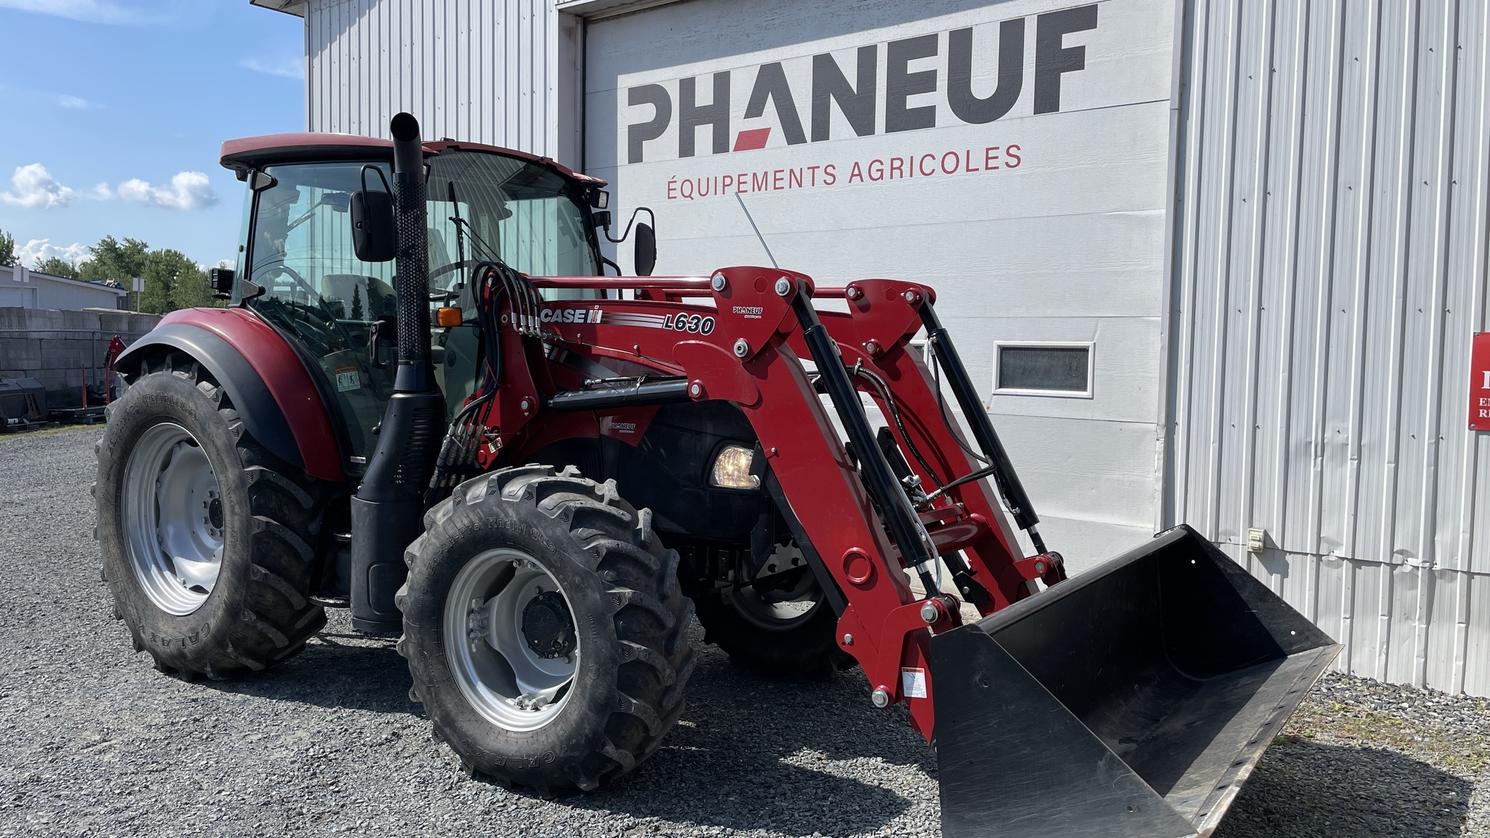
{"x": 387, "y": 508}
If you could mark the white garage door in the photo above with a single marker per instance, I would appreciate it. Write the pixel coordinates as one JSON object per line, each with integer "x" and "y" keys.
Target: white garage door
{"x": 1012, "y": 154}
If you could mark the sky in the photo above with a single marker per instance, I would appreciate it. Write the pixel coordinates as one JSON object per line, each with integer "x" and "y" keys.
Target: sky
{"x": 115, "y": 111}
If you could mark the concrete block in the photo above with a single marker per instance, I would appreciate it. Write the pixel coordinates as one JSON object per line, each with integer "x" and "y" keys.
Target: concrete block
{"x": 67, "y": 353}
{"x": 39, "y": 319}
{"x": 19, "y": 352}
{"x": 83, "y": 320}
{"x": 14, "y": 319}
{"x": 127, "y": 324}
{"x": 114, "y": 322}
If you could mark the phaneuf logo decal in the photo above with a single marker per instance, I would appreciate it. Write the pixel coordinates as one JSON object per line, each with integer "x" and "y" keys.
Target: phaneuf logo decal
{"x": 612, "y": 425}
{"x": 886, "y": 94}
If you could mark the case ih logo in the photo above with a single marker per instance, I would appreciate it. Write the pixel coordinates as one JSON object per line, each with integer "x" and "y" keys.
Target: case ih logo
{"x": 876, "y": 100}
{"x": 569, "y": 315}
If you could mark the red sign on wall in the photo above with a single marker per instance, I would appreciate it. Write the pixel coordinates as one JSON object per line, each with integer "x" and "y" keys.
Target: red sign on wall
{"x": 1479, "y": 383}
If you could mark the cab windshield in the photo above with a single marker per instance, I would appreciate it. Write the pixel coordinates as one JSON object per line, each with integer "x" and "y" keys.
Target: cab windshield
{"x": 481, "y": 206}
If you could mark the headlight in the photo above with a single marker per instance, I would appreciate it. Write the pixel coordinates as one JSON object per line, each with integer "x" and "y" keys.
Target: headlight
{"x": 732, "y": 469}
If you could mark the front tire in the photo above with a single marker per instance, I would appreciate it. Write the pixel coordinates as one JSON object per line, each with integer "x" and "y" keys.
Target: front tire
{"x": 206, "y": 538}
{"x": 545, "y": 629}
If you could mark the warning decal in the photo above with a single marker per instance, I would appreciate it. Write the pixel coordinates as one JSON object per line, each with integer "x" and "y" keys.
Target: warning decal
{"x": 912, "y": 682}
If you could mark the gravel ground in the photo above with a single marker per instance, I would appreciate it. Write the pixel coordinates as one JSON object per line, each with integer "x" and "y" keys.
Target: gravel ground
{"x": 95, "y": 742}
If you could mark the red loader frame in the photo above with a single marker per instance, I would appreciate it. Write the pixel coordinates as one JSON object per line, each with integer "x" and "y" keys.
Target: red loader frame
{"x": 862, "y": 526}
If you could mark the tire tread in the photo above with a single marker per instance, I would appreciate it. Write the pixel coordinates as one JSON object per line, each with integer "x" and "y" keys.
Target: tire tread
{"x": 620, "y": 546}
{"x": 278, "y": 617}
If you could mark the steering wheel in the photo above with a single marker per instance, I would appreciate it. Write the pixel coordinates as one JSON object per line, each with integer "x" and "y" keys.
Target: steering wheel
{"x": 333, "y": 326}
{"x": 281, "y": 268}
{"x": 454, "y": 266}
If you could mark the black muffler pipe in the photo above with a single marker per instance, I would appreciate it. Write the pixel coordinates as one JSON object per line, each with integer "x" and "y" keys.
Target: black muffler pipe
{"x": 387, "y": 508}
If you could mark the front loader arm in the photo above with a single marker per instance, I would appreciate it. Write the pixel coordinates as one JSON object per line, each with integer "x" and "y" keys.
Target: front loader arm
{"x": 751, "y": 348}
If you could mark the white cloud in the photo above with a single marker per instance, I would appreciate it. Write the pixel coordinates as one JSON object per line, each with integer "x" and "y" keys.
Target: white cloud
{"x": 32, "y": 187}
{"x": 289, "y": 68}
{"x": 187, "y": 191}
{"x": 75, "y": 103}
{"x": 36, "y": 251}
{"x": 88, "y": 11}
{"x": 101, "y": 192}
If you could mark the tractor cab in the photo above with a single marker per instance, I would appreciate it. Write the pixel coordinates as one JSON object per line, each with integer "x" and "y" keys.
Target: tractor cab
{"x": 299, "y": 266}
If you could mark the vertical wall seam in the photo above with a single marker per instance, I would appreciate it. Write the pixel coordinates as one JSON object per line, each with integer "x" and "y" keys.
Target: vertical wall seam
{"x": 1281, "y": 428}
{"x": 1256, "y": 221}
{"x": 1325, "y": 270}
{"x": 1436, "y": 322}
{"x": 1186, "y": 314}
{"x": 1223, "y": 259}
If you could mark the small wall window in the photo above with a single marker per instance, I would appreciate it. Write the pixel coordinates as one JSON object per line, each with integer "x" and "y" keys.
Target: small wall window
{"x": 1043, "y": 369}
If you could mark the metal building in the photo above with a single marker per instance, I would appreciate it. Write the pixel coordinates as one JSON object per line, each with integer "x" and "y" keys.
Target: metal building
{"x": 1216, "y": 262}
{"x": 22, "y": 288}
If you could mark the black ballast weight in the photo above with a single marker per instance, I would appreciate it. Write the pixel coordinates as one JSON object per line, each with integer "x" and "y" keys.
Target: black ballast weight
{"x": 1131, "y": 700}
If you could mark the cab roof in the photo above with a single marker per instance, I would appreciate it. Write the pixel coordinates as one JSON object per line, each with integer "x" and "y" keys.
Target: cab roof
{"x": 253, "y": 152}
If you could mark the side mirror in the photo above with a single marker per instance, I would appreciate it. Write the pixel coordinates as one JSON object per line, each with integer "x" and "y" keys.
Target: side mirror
{"x": 645, "y": 252}
{"x": 374, "y": 237}
{"x": 222, "y": 282}
{"x": 601, "y": 219}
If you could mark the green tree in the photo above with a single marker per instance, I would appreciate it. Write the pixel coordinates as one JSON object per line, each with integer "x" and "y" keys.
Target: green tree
{"x": 116, "y": 260}
{"x": 356, "y": 302}
{"x": 7, "y": 250}
{"x": 172, "y": 281}
{"x": 56, "y": 267}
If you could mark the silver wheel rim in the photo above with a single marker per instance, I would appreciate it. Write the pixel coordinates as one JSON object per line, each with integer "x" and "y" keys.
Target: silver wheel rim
{"x": 495, "y": 668}
{"x": 173, "y": 519}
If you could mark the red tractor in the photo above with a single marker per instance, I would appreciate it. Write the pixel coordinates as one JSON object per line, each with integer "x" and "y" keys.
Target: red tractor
{"x": 427, "y": 401}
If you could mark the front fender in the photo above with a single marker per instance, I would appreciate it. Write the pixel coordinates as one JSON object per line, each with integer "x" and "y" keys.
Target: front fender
{"x": 263, "y": 376}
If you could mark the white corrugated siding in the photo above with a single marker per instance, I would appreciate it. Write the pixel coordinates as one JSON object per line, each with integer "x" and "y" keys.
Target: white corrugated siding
{"x": 478, "y": 70}
{"x": 1329, "y": 271}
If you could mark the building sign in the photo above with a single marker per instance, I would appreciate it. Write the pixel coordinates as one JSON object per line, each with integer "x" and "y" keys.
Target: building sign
{"x": 1479, "y": 383}
{"x": 987, "y": 93}
{"x": 907, "y": 93}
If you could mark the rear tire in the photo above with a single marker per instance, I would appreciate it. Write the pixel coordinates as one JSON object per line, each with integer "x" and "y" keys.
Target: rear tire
{"x": 211, "y": 563}
{"x": 626, "y": 645}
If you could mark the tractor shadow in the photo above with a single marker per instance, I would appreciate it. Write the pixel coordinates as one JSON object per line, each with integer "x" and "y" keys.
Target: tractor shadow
{"x": 749, "y": 753}
{"x": 336, "y": 670}
{"x": 1304, "y": 789}
{"x": 775, "y": 756}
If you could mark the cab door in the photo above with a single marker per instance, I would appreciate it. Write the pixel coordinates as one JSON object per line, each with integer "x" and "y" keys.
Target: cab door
{"x": 339, "y": 310}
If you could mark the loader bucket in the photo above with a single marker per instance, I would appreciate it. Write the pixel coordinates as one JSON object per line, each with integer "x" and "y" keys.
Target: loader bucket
{"x": 1130, "y": 700}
